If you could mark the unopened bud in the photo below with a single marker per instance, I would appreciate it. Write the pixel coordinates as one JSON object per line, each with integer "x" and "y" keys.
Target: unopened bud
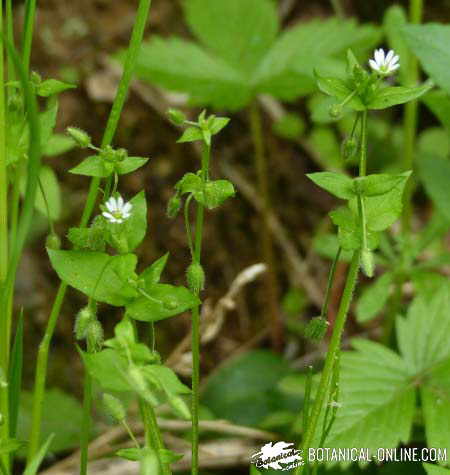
{"x": 84, "y": 317}
{"x": 114, "y": 407}
{"x": 82, "y": 139}
{"x": 94, "y": 335}
{"x": 53, "y": 242}
{"x": 174, "y": 206}
{"x": 195, "y": 277}
{"x": 349, "y": 148}
{"x": 316, "y": 329}
{"x": 367, "y": 262}
{"x": 335, "y": 111}
{"x": 176, "y": 116}
{"x": 35, "y": 78}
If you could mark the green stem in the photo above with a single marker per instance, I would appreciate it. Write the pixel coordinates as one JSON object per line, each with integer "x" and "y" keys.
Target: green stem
{"x": 111, "y": 127}
{"x": 337, "y": 7}
{"x": 333, "y": 348}
{"x": 363, "y": 150}
{"x": 10, "y": 37}
{"x": 5, "y": 315}
{"x": 331, "y": 275}
{"x": 86, "y": 422}
{"x": 410, "y": 121}
{"x": 196, "y": 318}
{"x": 271, "y": 283}
{"x": 28, "y": 31}
{"x": 153, "y": 434}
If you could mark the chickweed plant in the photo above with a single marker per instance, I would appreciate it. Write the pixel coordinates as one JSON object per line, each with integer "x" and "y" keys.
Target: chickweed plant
{"x": 373, "y": 203}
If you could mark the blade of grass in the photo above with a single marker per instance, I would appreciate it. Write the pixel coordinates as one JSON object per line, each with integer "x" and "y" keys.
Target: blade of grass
{"x": 15, "y": 377}
{"x": 111, "y": 127}
{"x": 33, "y": 466}
{"x": 28, "y": 31}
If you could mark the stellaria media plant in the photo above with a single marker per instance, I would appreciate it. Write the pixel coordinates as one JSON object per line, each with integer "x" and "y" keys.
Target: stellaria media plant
{"x": 240, "y": 55}
{"x": 207, "y": 194}
{"x": 373, "y": 204}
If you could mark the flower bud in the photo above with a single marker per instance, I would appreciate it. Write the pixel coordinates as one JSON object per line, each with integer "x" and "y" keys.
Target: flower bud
{"x": 35, "y": 78}
{"x": 84, "y": 317}
{"x": 349, "y": 148}
{"x": 335, "y": 111}
{"x": 114, "y": 407}
{"x": 174, "y": 206}
{"x": 367, "y": 262}
{"x": 195, "y": 277}
{"x": 53, "y": 242}
{"x": 316, "y": 328}
{"x": 94, "y": 335}
{"x": 82, "y": 139}
{"x": 176, "y": 116}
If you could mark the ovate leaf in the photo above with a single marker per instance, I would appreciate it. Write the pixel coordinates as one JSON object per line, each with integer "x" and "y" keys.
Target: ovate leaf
{"x": 49, "y": 87}
{"x": 135, "y": 227}
{"x": 152, "y": 274}
{"x": 96, "y": 274}
{"x": 391, "y": 96}
{"x": 374, "y": 298}
{"x": 439, "y": 103}
{"x": 337, "y": 184}
{"x": 94, "y": 166}
{"x": 130, "y": 164}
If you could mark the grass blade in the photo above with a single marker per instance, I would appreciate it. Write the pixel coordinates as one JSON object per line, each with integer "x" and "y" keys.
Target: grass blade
{"x": 36, "y": 461}
{"x": 15, "y": 376}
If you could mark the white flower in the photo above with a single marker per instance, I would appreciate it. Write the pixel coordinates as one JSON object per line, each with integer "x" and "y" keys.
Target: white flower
{"x": 384, "y": 64}
{"x": 118, "y": 210}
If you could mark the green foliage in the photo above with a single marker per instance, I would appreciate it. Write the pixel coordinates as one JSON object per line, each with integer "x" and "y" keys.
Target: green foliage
{"x": 34, "y": 464}
{"x": 253, "y": 396}
{"x": 429, "y": 43}
{"x": 65, "y": 428}
{"x": 240, "y": 53}
{"x": 374, "y": 298}
{"x": 388, "y": 381}
{"x": 435, "y": 469}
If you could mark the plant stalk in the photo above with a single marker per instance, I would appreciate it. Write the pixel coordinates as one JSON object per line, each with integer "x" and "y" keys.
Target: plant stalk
{"x": 111, "y": 127}
{"x": 267, "y": 247}
{"x": 200, "y": 217}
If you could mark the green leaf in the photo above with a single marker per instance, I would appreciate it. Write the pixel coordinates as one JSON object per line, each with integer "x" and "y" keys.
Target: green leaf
{"x": 130, "y": 164}
{"x": 238, "y": 31}
{"x": 98, "y": 275}
{"x": 218, "y": 124}
{"x": 215, "y": 193}
{"x": 252, "y": 397}
{"x": 34, "y": 464}
{"x": 94, "y": 166}
{"x": 49, "y": 87}
{"x": 152, "y": 274}
{"x": 183, "y": 66}
{"x": 10, "y": 446}
{"x": 191, "y": 134}
{"x": 438, "y": 102}
{"x": 66, "y": 429}
{"x": 430, "y": 44}
{"x": 384, "y": 416}
{"x": 162, "y": 301}
{"x": 339, "y": 89}
{"x": 47, "y": 120}
{"x": 435, "y": 469}
{"x": 391, "y": 96}
{"x": 379, "y": 184}
{"x": 290, "y": 126}
{"x": 90, "y": 239}
{"x": 50, "y": 186}
{"x": 423, "y": 342}
{"x": 58, "y": 144}
{"x": 167, "y": 379}
{"x": 287, "y": 70}
{"x": 337, "y": 184}
{"x": 434, "y": 172}
{"x": 133, "y": 454}
{"x": 109, "y": 369}
{"x": 435, "y": 396}
{"x": 135, "y": 227}
{"x": 190, "y": 183}
{"x": 374, "y": 298}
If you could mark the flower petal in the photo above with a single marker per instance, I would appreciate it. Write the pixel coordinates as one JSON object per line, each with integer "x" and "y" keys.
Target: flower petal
{"x": 389, "y": 56}
{"x": 374, "y": 65}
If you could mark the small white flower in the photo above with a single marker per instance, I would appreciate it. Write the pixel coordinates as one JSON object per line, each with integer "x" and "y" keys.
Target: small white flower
{"x": 118, "y": 210}
{"x": 384, "y": 64}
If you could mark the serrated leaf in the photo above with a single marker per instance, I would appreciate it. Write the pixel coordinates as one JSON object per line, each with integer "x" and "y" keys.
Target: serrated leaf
{"x": 94, "y": 165}
{"x": 238, "y": 31}
{"x": 183, "y": 66}
{"x": 50, "y": 87}
{"x": 374, "y": 298}
{"x": 391, "y": 96}
{"x": 163, "y": 301}
{"x": 434, "y": 172}
{"x": 429, "y": 43}
{"x": 377, "y": 400}
{"x": 96, "y": 274}
{"x": 337, "y": 184}
{"x": 152, "y": 274}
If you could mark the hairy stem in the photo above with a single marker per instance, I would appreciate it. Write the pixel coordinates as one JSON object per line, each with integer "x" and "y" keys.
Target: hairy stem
{"x": 271, "y": 283}
{"x": 196, "y": 318}
{"x": 86, "y": 422}
{"x": 114, "y": 117}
